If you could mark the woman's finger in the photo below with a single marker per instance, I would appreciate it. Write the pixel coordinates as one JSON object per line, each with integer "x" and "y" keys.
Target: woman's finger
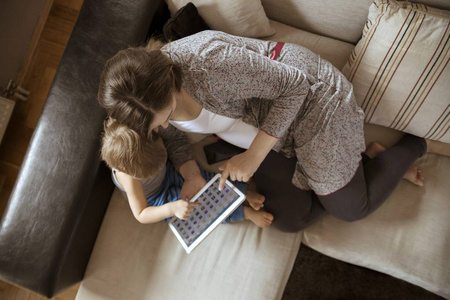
{"x": 233, "y": 176}
{"x": 223, "y": 167}
{"x": 223, "y": 178}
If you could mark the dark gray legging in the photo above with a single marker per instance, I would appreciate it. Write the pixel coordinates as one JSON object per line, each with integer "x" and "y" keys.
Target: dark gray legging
{"x": 375, "y": 179}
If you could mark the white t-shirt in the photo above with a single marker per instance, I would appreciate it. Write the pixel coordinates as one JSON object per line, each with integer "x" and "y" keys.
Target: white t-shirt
{"x": 234, "y": 131}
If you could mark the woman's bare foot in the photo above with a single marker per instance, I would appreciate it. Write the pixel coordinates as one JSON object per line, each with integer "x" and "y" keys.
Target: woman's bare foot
{"x": 260, "y": 218}
{"x": 438, "y": 147}
{"x": 413, "y": 175}
{"x": 254, "y": 199}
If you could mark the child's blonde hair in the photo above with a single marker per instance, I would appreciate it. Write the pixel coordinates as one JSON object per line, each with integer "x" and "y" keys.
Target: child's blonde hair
{"x": 126, "y": 151}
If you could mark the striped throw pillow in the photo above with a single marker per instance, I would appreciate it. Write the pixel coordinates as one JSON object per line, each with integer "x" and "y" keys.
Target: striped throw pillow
{"x": 400, "y": 68}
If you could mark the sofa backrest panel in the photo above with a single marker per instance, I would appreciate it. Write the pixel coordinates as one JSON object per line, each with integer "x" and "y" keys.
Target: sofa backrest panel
{"x": 342, "y": 19}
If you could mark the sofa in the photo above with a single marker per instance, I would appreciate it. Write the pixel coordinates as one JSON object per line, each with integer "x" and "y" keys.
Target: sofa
{"x": 65, "y": 222}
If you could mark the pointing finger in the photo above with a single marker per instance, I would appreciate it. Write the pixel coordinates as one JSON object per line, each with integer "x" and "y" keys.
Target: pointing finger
{"x": 223, "y": 178}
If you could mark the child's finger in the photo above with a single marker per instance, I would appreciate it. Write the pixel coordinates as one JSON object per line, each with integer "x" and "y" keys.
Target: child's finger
{"x": 193, "y": 205}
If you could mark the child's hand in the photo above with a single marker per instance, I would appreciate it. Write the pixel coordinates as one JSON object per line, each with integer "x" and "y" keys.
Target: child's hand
{"x": 182, "y": 209}
{"x": 191, "y": 186}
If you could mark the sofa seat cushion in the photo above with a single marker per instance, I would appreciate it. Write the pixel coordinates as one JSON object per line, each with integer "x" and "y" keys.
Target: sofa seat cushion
{"x": 236, "y": 261}
{"x": 407, "y": 237}
{"x": 335, "y": 51}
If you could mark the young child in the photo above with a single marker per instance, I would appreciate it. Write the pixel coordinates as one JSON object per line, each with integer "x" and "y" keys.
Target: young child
{"x": 141, "y": 169}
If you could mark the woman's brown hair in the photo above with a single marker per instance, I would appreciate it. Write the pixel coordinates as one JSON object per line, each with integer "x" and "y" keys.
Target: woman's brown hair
{"x": 137, "y": 83}
{"x": 129, "y": 152}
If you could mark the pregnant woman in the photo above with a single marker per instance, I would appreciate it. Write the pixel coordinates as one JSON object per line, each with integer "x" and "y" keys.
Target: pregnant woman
{"x": 293, "y": 112}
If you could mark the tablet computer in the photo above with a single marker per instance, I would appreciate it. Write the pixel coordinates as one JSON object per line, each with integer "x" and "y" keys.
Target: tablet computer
{"x": 216, "y": 207}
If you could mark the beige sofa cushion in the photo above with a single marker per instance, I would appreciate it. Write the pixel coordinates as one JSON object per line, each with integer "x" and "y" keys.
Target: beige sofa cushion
{"x": 342, "y": 20}
{"x": 407, "y": 237}
{"x": 236, "y": 261}
{"x": 334, "y": 51}
{"x": 399, "y": 69}
{"x": 238, "y": 17}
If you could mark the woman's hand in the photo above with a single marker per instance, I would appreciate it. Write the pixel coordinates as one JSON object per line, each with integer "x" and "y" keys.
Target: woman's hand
{"x": 242, "y": 166}
{"x": 193, "y": 180}
{"x": 182, "y": 209}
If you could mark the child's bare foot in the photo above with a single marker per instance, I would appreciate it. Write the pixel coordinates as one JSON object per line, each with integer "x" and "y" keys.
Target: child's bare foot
{"x": 413, "y": 175}
{"x": 254, "y": 199}
{"x": 260, "y": 218}
{"x": 438, "y": 147}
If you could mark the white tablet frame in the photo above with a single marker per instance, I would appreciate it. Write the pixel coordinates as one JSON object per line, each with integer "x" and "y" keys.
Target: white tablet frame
{"x": 216, "y": 222}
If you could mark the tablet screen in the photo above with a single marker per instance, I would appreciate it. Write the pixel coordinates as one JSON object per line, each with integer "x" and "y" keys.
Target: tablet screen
{"x": 216, "y": 207}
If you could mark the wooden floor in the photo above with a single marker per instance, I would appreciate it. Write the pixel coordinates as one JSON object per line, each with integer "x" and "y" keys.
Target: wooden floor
{"x": 37, "y": 78}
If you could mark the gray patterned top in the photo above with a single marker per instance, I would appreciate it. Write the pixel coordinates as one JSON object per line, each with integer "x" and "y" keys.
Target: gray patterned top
{"x": 298, "y": 98}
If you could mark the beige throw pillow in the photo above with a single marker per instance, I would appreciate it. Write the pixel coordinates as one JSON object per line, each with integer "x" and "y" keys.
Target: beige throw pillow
{"x": 400, "y": 68}
{"x": 238, "y": 17}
